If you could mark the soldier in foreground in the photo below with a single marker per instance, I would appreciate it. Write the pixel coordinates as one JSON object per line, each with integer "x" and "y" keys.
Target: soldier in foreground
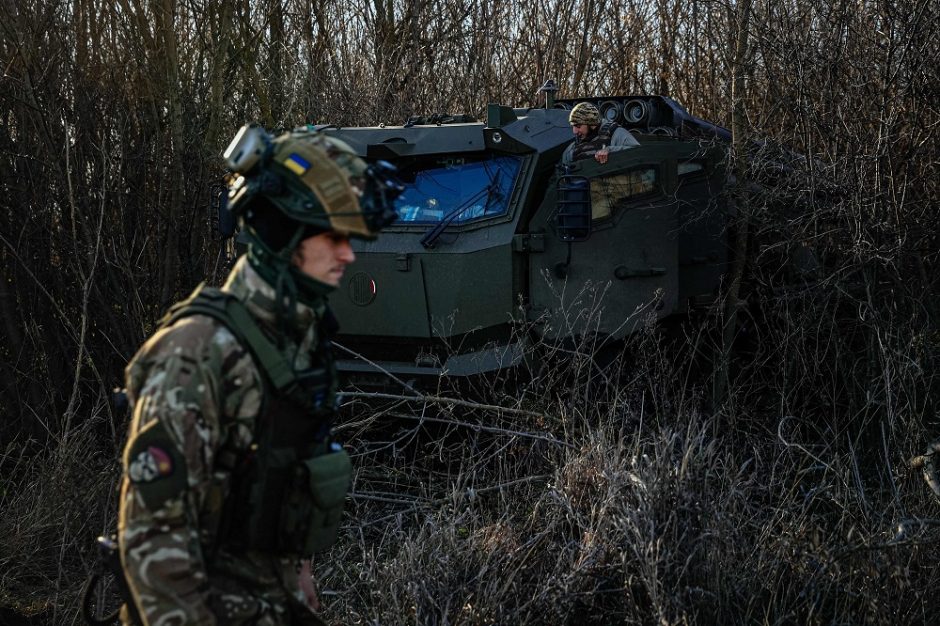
{"x": 593, "y": 139}
{"x": 232, "y": 480}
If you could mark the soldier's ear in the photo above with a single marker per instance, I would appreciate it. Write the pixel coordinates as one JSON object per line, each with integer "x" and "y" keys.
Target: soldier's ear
{"x": 154, "y": 466}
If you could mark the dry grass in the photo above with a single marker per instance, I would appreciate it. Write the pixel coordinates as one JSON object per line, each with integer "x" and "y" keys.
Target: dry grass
{"x": 645, "y": 510}
{"x": 54, "y": 502}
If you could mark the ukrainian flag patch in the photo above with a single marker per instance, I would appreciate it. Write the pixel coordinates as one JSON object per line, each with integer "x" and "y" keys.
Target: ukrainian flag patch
{"x": 297, "y": 164}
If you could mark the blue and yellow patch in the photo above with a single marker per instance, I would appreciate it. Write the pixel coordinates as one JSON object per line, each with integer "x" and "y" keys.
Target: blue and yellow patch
{"x": 297, "y": 164}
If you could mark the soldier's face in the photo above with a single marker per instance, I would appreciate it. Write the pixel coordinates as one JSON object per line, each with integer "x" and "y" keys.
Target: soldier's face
{"x": 580, "y": 130}
{"x": 324, "y": 257}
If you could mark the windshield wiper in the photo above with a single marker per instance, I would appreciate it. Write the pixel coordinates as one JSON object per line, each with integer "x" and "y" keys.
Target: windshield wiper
{"x": 492, "y": 191}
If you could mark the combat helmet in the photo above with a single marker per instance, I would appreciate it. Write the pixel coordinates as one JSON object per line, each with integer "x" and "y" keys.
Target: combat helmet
{"x": 312, "y": 180}
{"x": 584, "y": 113}
{"x": 297, "y": 185}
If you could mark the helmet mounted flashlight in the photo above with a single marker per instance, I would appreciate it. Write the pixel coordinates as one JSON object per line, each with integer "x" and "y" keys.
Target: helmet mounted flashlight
{"x": 250, "y": 145}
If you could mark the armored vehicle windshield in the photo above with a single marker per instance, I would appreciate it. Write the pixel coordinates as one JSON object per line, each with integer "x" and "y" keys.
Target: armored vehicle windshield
{"x": 456, "y": 189}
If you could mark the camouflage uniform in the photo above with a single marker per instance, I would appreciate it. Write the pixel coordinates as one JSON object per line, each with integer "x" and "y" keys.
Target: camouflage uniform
{"x": 230, "y": 476}
{"x": 196, "y": 394}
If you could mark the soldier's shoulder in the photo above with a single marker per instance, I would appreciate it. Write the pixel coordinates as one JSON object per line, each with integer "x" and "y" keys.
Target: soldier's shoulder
{"x": 624, "y": 136}
{"x": 194, "y": 339}
{"x": 192, "y": 335}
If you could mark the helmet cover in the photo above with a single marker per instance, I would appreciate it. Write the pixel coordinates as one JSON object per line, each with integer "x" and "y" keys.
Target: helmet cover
{"x": 315, "y": 180}
{"x": 584, "y": 113}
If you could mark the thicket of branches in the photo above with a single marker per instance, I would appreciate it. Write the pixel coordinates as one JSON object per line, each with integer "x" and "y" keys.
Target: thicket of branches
{"x": 113, "y": 114}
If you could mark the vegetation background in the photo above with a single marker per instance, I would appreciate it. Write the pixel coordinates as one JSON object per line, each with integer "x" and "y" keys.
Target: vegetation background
{"x": 790, "y": 501}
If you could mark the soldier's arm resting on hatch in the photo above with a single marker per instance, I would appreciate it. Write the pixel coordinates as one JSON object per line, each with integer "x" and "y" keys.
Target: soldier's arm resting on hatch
{"x": 168, "y": 469}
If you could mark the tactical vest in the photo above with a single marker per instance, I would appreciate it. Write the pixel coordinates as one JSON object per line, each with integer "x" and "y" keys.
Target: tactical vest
{"x": 587, "y": 148}
{"x": 288, "y": 490}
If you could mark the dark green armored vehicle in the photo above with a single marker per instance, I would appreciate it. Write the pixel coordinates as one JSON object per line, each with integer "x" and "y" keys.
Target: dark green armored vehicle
{"x": 497, "y": 244}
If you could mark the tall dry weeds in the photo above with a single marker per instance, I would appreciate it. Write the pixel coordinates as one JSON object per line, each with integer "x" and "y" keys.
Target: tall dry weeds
{"x": 635, "y": 507}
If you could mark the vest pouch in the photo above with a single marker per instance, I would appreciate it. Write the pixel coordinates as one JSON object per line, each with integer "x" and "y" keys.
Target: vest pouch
{"x": 313, "y": 510}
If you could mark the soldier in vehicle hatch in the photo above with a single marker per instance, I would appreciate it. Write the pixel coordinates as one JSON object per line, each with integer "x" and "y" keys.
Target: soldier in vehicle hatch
{"x": 593, "y": 139}
{"x": 231, "y": 477}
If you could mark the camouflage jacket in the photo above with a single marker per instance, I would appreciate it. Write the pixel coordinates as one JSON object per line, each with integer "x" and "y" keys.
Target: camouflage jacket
{"x": 196, "y": 393}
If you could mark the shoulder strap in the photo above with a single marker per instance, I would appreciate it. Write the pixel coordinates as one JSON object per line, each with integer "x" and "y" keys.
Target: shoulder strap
{"x": 231, "y": 312}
